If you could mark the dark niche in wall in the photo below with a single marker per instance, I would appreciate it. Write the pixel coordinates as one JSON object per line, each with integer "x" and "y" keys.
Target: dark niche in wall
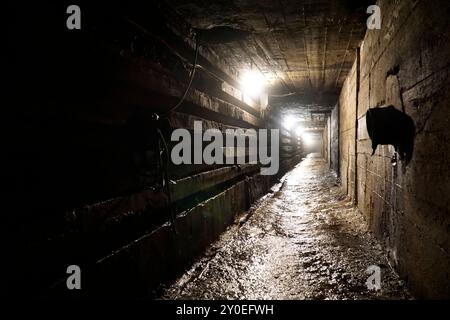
{"x": 387, "y": 125}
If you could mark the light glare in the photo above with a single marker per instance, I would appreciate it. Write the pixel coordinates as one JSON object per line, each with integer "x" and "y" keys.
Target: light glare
{"x": 288, "y": 122}
{"x": 253, "y": 83}
{"x": 308, "y": 139}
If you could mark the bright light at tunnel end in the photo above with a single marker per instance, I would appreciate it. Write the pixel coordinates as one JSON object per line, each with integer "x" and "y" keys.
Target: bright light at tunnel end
{"x": 308, "y": 139}
{"x": 253, "y": 83}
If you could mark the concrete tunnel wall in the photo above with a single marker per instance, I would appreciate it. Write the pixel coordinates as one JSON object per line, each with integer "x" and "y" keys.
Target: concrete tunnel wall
{"x": 409, "y": 216}
{"x": 81, "y": 179}
{"x": 84, "y": 176}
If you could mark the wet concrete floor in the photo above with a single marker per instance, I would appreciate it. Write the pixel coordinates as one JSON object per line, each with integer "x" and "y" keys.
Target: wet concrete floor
{"x": 303, "y": 241}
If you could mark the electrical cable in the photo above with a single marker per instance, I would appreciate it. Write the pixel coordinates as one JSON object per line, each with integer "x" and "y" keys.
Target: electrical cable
{"x": 194, "y": 67}
{"x": 166, "y": 178}
{"x": 183, "y": 97}
{"x": 145, "y": 32}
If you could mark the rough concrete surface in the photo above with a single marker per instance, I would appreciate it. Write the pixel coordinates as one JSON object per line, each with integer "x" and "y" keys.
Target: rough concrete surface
{"x": 404, "y": 64}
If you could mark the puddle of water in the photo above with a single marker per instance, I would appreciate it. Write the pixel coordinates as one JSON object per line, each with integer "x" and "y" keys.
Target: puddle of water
{"x": 306, "y": 241}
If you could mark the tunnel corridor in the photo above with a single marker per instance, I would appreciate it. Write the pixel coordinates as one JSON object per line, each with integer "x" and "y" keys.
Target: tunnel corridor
{"x": 302, "y": 241}
{"x": 211, "y": 150}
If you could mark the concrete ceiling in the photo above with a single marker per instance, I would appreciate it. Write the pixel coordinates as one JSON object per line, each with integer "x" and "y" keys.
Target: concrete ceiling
{"x": 304, "y": 48}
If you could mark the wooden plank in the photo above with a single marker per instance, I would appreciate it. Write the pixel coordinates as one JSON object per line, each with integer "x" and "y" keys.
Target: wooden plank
{"x": 159, "y": 81}
{"x": 199, "y": 182}
{"x": 158, "y": 255}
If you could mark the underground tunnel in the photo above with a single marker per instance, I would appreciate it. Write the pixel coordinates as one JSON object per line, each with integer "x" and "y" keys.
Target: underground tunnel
{"x": 227, "y": 150}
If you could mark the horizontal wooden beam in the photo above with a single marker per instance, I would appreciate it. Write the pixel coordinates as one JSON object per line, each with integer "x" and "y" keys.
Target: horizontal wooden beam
{"x": 188, "y": 186}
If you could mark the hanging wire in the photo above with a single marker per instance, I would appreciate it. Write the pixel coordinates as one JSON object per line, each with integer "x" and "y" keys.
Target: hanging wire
{"x": 194, "y": 68}
{"x": 165, "y": 163}
{"x": 166, "y": 184}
